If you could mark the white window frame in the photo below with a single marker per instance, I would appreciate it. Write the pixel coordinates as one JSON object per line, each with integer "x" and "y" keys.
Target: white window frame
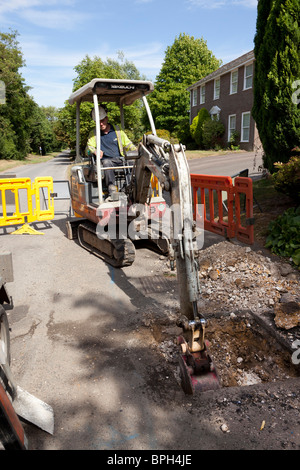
{"x": 248, "y": 77}
{"x": 215, "y": 113}
{"x": 232, "y": 91}
{"x": 194, "y": 97}
{"x": 243, "y": 127}
{"x": 231, "y": 129}
{"x": 217, "y": 88}
{"x": 202, "y": 94}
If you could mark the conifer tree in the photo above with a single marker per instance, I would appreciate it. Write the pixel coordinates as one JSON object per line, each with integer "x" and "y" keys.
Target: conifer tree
{"x": 277, "y": 73}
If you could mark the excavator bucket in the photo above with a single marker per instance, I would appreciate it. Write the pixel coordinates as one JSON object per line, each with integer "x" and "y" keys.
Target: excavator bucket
{"x": 196, "y": 374}
{"x": 197, "y": 370}
{"x": 25, "y": 405}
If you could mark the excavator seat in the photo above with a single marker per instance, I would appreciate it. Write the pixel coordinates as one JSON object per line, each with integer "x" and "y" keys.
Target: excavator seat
{"x": 123, "y": 175}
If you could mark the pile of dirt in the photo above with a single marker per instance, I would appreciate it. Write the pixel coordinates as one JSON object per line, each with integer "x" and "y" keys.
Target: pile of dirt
{"x": 235, "y": 278}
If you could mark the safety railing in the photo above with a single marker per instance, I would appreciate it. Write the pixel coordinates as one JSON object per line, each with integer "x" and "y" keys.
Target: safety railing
{"x": 210, "y": 192}
{"x": 21, "y": 201}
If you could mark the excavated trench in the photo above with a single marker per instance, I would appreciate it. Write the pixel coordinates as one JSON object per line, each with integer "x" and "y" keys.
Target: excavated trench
{"x": 245, "y": 353}
{"x": 242, "y": 293}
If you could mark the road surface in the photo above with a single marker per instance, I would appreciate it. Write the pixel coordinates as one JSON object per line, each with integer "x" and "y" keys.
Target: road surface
{"x": 86, "y": 338}
{"x": 227, "y": 165}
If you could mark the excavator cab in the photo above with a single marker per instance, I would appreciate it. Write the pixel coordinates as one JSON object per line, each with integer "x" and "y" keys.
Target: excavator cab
{"x": 103, "y": 91}
{"x": 89, "y": 196}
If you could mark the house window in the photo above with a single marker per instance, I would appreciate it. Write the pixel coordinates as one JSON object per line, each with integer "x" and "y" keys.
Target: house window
{"x": 231, "y": 125}
{"x": 248, "y": 76}
{"x": 215, "y": 113}
{"x": 245, "y": 127}
{"x": 234, "y": 82}
{"x": 194, "y": 97}
{"x": 217, "y": 89}
{"x": 202, "y": 94}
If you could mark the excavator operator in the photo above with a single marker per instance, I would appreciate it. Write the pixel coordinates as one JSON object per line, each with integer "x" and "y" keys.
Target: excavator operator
{"x": 114, "y": 142}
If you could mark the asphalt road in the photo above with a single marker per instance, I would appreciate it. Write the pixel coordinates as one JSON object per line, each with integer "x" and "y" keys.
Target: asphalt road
{"x": 227, "y": 165}
{"x": 85, "y": 339}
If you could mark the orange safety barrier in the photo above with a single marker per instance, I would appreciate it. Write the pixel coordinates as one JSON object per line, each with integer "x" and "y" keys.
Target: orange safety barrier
{"x": 211, "y": 192}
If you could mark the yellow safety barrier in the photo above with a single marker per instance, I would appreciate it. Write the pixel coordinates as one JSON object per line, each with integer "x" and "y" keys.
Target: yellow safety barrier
{"x": 29, "y": 195}
{"x": 156, "y": 187}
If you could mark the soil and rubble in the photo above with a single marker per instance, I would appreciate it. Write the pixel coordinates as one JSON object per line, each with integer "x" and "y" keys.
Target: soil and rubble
{"x": 252, "y": 304}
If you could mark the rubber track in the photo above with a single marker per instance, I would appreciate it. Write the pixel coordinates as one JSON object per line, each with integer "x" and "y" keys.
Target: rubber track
{"x": 123, "y": 250}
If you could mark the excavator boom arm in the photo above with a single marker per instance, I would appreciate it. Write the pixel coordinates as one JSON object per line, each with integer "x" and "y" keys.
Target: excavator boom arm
{"x": 169, "y": 164}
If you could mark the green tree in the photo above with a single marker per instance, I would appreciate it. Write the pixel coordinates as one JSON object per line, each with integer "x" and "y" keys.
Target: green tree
{"x": 24, "y": 125}
{"x": 277, "y": 70}
{"x": 14, "y": 141}
{"x": 42, "y": 135}
{"x": 88, "y": 69}
{"x": 186, "y": 61}
{"x": 50, "y": 119}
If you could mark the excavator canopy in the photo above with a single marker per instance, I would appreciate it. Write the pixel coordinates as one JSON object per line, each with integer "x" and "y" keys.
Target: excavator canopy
{"x": 112, "y": 90}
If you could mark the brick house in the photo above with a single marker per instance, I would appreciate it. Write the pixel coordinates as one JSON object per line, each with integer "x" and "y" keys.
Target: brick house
{"x": 227, "y": 94}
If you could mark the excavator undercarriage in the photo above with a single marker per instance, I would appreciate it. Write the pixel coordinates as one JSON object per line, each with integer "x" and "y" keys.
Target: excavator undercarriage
{"x": 117, "y": 252}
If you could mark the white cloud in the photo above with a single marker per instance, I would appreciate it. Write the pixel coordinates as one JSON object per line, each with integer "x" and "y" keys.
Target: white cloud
{"x": 246, "y": 3}
{"x": 212, "y": 4}
{"x": 51, "y": 14}
{"x": 54, "y": 19}
{"x": 7, "y": 6}
{"x": 52, "y": 93}
{"x": 50, "y": 70}
{"x": 38, "y": 54}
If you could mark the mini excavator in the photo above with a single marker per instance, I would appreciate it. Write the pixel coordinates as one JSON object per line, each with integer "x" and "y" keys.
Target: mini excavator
{"x": 107, "y": 225}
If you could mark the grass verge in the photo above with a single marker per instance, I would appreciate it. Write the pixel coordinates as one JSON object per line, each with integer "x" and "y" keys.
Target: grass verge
{"x": 29, "y": 160}
{"x": 192, "y": 154}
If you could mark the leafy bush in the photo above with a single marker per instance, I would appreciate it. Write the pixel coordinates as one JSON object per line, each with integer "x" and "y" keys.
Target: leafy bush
{"x": 234, "y": 140}
{"x": 287, "y": 178}
{"x": 212, "y": 133}
{"x": 162, "y": 134}
{"x": 196, "y": 128}
{"x": 284, "y": 235}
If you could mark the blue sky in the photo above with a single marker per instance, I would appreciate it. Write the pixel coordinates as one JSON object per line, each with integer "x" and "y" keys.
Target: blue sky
{"x": 55, "y": 35}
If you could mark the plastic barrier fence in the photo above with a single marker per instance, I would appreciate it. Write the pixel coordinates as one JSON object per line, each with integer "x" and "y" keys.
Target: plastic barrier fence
{"x": 26, "y": 200}
{"x": 225, "y": 220}
{"x": 156, "y": 187}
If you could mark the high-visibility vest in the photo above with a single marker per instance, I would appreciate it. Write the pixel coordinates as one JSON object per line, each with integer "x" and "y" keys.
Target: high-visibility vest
{"x": 124, "y": 143}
